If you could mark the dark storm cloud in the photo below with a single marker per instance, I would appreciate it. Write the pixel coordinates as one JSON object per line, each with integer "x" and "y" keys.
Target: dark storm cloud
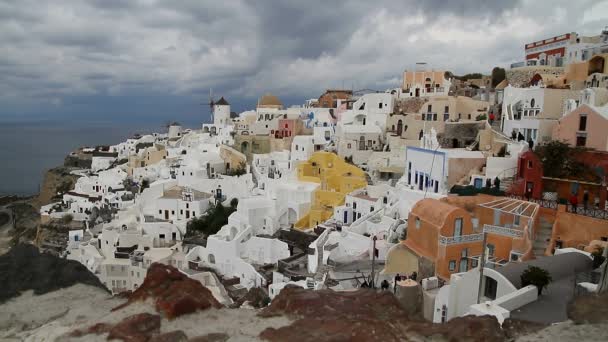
{"x": 242, "y": 48}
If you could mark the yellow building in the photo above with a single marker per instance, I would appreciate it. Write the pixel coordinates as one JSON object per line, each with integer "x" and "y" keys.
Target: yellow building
{"x": 337, "y": 178}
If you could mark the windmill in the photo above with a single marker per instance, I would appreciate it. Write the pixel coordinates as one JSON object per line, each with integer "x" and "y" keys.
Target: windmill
{"x": 210, "y": 104}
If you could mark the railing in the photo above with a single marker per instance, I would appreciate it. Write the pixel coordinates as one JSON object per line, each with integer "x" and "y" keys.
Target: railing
{"x": 590, "y": 211}
{"x": 516, "y": 233}
{"x": 454, "y": 240}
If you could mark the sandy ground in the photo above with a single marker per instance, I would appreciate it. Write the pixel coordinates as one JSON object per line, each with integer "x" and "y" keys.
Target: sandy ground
{"x": 568, "y": 331}
{"x": 52, "y": 316}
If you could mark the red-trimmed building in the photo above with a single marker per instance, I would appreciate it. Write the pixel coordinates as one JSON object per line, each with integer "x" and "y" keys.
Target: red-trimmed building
{"x": 542, "y": 50}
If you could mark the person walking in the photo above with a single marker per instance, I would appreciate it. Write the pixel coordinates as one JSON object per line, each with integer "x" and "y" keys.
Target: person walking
{"x": 397, "y": 279}
{"x": 573, "y": 202}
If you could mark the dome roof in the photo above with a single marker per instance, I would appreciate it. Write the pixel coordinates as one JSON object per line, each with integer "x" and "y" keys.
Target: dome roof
{"x": 269, "y": 100}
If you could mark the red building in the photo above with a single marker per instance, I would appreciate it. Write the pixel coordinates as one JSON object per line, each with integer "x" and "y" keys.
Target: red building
{"x": 529, "y": 179}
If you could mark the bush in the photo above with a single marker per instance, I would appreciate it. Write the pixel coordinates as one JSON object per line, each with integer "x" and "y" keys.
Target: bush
{"x": 210, "y": 223}
{"x": 598, "y": 257}
{"x": 239, "y": 171}
{"x": 67, "y": 219}
{"x": 470, "y": 190}
{"x": 536, "y": 276}
{"x": 481, "y": 117}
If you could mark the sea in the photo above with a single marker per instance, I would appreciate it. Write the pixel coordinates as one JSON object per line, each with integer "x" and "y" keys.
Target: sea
{"x": 29, "y": 147}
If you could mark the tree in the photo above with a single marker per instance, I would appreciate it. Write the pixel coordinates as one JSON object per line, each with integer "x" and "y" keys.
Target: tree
{"x": 536, "y": 276}
{"x": 210, "y": 223}
{"x": 559, "y": 161}
{"x": 498, "y": 75}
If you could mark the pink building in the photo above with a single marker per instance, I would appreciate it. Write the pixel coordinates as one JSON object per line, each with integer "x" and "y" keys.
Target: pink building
{"x": 286, "y": 128}
{"x": 586, "y": 126}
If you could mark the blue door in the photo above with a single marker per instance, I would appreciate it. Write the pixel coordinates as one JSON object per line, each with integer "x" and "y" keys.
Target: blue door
{"x": 478, "y": 183}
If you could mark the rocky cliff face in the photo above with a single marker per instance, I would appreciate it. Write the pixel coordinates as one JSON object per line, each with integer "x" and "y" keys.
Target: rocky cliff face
{"x": 55, "y": 180}
{"x": 25, "y": 268}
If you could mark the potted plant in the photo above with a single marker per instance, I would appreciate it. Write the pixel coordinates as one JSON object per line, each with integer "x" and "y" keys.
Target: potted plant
{"x": 536, "y": 276}
{"x": 598, "y": 257}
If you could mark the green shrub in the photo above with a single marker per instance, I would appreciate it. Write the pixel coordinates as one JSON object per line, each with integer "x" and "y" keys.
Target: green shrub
{"x": 536, "y": 276}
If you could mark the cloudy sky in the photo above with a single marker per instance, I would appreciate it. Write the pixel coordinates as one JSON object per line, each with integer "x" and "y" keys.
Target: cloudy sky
{"x": 147, "y": 57}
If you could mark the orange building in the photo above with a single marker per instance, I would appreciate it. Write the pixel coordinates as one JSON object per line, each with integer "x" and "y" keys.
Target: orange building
{"x": 330, "y": 97}
{"x": 448, "y": 233}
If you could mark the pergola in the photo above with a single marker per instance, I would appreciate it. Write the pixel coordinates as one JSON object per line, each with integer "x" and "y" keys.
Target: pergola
{"x": 513, "y": 206}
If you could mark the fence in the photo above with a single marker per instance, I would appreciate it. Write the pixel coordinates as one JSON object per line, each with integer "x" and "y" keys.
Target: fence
{"x": 579, "y": 209}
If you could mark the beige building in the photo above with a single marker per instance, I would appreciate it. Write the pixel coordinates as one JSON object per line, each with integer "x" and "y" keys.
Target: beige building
{"x": 424, "y": 83}
{"x": 148, "y": 156}
{"x": 433, "y": 114}
{"x": 269, "y": 101}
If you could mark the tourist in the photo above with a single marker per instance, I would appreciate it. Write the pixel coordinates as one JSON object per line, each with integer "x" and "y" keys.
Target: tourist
{"x": 492, "y": 117}
{"x": 573, "y": 202}
{"x": 585, "y": 199}
{"x": 384, "y": 285}
{"x": 414, "y": 276}
{"x": 397, "y": 279}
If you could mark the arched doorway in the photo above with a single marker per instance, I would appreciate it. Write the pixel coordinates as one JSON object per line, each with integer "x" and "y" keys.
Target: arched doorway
{"x": 399, "y": 127}
{"x": 596, "y": 65}
{"x": 244, "y": 147}
{"x": 362, "y": 143}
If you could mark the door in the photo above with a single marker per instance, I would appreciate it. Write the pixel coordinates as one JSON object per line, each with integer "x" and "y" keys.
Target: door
{"x": 478, "y": 183}
{"x": 166, "y": 214}
{"x": 462, "y": 267}
{"x": 417, "y": 92}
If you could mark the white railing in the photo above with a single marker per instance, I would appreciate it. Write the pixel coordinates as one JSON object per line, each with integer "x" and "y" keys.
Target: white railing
{"x": 453, "y": 240}
{"x": 516, "y": 233}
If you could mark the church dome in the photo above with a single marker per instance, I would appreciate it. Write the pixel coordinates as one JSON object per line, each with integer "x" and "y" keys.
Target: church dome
{"x": 269, "y": 101}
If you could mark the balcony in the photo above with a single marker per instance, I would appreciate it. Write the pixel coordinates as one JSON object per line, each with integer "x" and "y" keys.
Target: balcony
{"x": 504, "y": 231}
{"x": 455, "y": 240}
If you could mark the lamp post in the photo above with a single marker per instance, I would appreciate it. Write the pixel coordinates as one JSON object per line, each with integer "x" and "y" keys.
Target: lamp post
{"x": 372, "y": 285}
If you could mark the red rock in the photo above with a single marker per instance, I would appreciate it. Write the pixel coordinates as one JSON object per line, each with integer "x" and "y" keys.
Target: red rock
{"x": 173, "y": 292}
{"x": 365, "y": 315}
{"x": 172, "y": 336}
{"x": 97, "y": 329}
{"x": 136, "y": 328}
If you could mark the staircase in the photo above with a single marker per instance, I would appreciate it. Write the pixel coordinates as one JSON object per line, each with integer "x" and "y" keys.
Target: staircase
{"x": 505, "y": 183}
{"x": 543, "y": 235}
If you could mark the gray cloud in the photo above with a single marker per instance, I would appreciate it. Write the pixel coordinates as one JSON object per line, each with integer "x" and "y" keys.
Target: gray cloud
{"x": 242, "y": 48}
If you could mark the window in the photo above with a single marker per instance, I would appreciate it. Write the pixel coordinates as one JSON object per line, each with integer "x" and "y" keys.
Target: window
{"x": 581, "y": 140}
{"x": 582, "y": 123}
{"x": 532, "y": 103}
{"x": 160, "y": 212}
{"x": 446, "y": 116}
{"x": 430, "y": 108}
{"x": 349, "y": 145}
{"x": 380, "y": 105}
{"x": 446, "y": 109}
{"x": 434, "y": 116}
{"x": 452, "y": 265}
{"x": 458, "y": 227}
{"x": 529, "y": 164}
{"x": 490, "y": 249}
{"x": 172, "y": 212}
{"x": 371, "y": 209}
{"x": 417, "y": 222}
{"x": 516, "y": 220}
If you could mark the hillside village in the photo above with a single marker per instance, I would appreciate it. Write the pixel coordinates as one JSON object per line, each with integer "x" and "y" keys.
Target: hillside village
{"x": 443, "y": 191}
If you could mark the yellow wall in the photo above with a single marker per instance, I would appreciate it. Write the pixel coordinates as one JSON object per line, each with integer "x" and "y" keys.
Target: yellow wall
{"x": 337, "y": 178}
